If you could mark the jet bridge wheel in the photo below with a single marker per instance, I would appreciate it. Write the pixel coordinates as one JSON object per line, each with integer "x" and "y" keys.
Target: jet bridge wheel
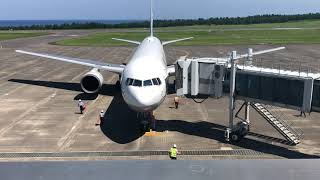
{"x": 235, "y": 137}
{"x": 240, "y": 130}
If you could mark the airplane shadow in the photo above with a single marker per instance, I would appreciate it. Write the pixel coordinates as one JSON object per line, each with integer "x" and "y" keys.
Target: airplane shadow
{"x": 106, "y": 89}
{"x": 215, "y": 131}
{"x": 121, "y": 124}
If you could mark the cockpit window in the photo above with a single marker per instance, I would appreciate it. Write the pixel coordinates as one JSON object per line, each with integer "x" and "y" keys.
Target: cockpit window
{"x": 155, "y": 81}
{"x": 137, "y": 83}
{"x": 159, "y": 81}
{"x": 129, "y": 82}
{"x": 147, "y": 83}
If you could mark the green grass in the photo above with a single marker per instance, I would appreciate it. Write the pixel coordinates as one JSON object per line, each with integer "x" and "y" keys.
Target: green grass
{"x": 7, "y": 35}
{"x": 295, "y": 24}
{"x": 211, "y": 35}
{"x": 204, "y": 38}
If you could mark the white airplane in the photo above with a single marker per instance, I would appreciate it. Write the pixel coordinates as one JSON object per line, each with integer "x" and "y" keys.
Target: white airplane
{"x": 143, "y": 80}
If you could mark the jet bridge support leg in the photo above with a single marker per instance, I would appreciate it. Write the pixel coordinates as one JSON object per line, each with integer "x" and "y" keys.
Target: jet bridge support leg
{"x": 232, "y": 89}
{"x": 235, "y": 133}
{"x": 247, "y": 114}
{"x": 228, "y": 132}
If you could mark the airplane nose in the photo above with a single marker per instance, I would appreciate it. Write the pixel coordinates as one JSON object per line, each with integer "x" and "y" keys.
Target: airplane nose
{"x": 143, "y": 100}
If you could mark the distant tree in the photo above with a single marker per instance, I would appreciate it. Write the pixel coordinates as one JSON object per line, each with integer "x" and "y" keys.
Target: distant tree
{"x": 258, "y": 19}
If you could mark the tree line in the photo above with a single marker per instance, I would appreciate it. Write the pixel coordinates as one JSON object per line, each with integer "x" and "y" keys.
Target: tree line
{"x": 258, "y": 19}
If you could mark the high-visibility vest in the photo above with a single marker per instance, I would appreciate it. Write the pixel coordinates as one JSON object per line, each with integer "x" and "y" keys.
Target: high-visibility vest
{"x": 173, "y": 152}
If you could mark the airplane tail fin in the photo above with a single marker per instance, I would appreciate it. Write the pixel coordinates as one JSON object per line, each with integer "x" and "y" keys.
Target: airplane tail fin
{"x": 151, "y": 18}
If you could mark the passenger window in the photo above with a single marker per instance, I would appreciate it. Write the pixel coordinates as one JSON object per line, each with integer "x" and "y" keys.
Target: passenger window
{"x": 159, "y": 81}
{"x": 147, "y": 83}
{"x": 155, "y": 81}
{"x": 129, "y": 82}
{"x": 137, "y": 83}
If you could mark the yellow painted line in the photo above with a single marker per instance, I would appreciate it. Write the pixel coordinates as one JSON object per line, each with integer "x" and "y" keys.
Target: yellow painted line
{"x": 152, "y": 134}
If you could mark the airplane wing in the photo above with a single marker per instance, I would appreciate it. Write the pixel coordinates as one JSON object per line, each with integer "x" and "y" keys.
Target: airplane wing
{"x": 177, "y": 40}
{"x": 115, "y": 68}
{"x": 259, "y": 52}
{"x": 126, "y": 40}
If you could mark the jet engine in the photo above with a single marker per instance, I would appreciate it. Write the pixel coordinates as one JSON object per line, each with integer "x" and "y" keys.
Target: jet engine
{"x": 92, "y": 81}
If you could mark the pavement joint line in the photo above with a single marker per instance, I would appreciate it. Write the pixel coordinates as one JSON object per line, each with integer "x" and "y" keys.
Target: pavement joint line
{"x": 19, "y": 118}
{"x": 65, "y": 141}
{"x": 31, "y": 109}
{"x": 203, "y": 113}
{"x": 11, "y": 74}
{"x": 44, "y": 75}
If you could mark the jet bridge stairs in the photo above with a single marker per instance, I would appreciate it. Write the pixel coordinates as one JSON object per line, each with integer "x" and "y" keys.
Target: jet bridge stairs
{"x": 291, "y": 134}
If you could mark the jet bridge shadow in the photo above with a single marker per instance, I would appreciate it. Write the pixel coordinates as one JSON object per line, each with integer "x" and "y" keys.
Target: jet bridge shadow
{"x": 215, "y": 131}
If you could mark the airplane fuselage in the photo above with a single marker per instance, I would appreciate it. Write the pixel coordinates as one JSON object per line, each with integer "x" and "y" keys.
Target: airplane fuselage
{"x": 143, "y": 81}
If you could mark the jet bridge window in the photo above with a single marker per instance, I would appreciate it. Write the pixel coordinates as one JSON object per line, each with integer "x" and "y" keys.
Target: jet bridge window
{"x": 137, "y": 83}
{"x": 147, "y": 83}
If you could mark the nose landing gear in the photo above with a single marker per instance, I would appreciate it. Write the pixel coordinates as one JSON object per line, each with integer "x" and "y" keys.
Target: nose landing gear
{"x": 147, "y": 121}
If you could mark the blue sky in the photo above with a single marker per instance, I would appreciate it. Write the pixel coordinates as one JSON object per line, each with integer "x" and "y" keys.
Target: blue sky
{"x": 139, "y": 9}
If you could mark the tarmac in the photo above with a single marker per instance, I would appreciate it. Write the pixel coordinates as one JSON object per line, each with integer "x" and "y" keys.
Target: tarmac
{"x": 39, "y": 113}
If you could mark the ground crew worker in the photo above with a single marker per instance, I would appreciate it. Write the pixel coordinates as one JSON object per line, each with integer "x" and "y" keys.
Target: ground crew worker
{"x": 176, "y": 102}
{"x": 81, "y": 106}
{"x": 100, "y": 119}
{"x": 173, "y": 152}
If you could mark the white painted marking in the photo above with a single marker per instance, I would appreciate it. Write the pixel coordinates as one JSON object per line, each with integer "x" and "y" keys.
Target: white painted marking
{"x": 226, "y": 148}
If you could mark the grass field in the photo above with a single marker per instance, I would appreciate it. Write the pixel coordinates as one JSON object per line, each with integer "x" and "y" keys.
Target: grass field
{"x": 204, "y": 38}
{"x": 309, "y": 33}
{"x": 6, "y": 35}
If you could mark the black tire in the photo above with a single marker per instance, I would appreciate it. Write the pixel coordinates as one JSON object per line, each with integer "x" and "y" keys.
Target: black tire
{"x": 235, "y": 137}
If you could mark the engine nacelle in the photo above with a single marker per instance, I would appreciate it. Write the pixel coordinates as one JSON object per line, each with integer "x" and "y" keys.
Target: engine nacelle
{"x": 92, "y": 81}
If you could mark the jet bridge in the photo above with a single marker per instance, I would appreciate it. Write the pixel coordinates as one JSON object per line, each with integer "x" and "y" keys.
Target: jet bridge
{"x": 256, "y": 86}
